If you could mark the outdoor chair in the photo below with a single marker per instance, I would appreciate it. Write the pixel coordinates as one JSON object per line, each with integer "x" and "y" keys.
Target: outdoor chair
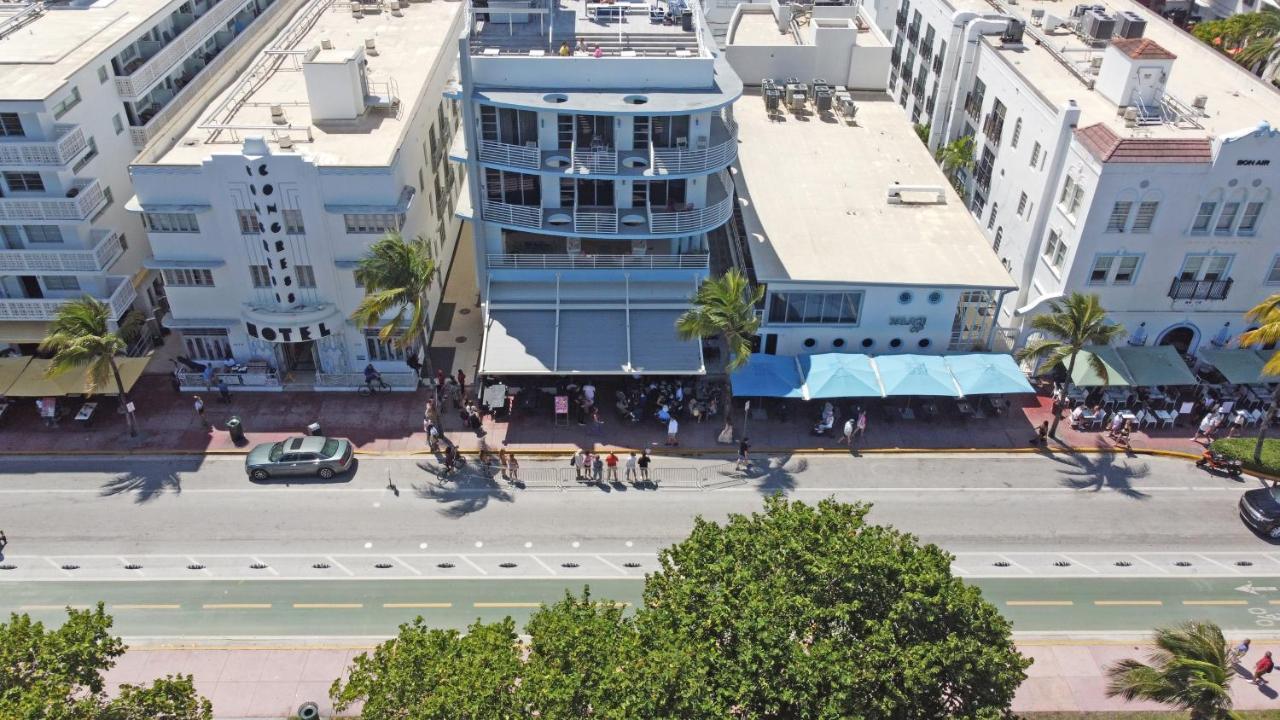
{"x": 1147, "y": 418}
{"x": 1167, "y": 418}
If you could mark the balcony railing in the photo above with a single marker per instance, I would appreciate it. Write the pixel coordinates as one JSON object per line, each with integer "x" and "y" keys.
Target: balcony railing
{"x": 597, "y": 262}
{"x": 508, "y": 214}
{"x": 508, "y": 154}
{"x": 354, "y": 381}
{"x": 66, "y": 145}
{"x": 119, "y": 300}
{"x": 104, "y": 252}
{"x": 604, "y": 161}
{"x": 698, "y": 160}
{"x": 596, "y": 220}
{"x": 1181, "y": 289}
{"x": 88, "y": 198}
{"x": 663, "y": 222}
{"x": 192, "y": 38}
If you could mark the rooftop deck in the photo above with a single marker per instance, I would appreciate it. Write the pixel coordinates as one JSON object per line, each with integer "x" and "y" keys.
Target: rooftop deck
{"x": 554, "y": 28}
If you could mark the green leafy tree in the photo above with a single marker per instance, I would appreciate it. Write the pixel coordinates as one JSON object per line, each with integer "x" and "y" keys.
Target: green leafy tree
{"x": 956, "y": 155}
{"x": 1267, "y": 315}
{"x": 57, "y": 675}
{"x": 80, "y": 338}
{"x": 724, "y": 308}
{"x": 396, "y": 274}
{"x": 1249, "y": 39}
{"x": 1188, "y": 669}
{"x": 809, "y": 612}
{"x": 1070, "y": 325}
{"x": 922, "y": 132}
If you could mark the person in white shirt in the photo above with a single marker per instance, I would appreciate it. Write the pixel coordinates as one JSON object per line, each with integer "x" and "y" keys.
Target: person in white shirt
{"x": 632, "y": 477}
{"x": 673, "y": 427}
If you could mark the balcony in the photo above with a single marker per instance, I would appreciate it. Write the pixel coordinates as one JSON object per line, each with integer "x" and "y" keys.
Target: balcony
{"x": 120, "y": 300}
{"x": 85, "y": 197}
{"x": 67, "y": 143}
{"x": 597, "y": 262}
{"x": 993, "y": 127}
{"x": 601, "y": 160}
{"x": 192, "y": 38}
{"x": 521, "y": 156}
{"x": 104, "y": 252}
{"x": 720, "y": 152}
{"x": 1181, "y": 289}
{"x": 528, "y": 216}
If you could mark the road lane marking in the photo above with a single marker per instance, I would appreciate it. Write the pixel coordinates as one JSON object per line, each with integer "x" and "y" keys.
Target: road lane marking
{"x": 1215, "y": 602}
{"x": 339, "y": 565}
{"x": 478, "y": 569}
{"x": 236, "y": 606}
{"x": 41, "y": 608}
{"x": 615, "y": 567}
{"x": 507, "y": 605}
{"x": 146, "y": 606}
{"x": 437, "y": 606}
{"x": 1128, "y": 602}
{"x": 548, "y": 568}
{"x": 1038, "y": 603}
{"x": 1273, "y": 602}
{"x": 406, "y": 565}
{"x": 327, "y": 606}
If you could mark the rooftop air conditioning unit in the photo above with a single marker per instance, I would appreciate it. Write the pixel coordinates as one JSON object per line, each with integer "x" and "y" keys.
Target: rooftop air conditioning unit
{"x": 286, "y": 142}
{"x": 1130, "y": 25}
{"x": 1200, "y": 102}
{"x": 1097, "y": 26}
{"x": 277, "y": 115}
{"x": 1013, "y": 32}
{"x": 1130, "y": 116}
{"x": 326, "y": 44}
{"x": 1037, "y": 16}
{"x": 1052, "y": 22}
{"x": 370, "y": 47}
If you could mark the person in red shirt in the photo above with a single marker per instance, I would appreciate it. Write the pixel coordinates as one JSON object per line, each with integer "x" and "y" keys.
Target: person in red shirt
{"x": 1264, "y": 666}
{"x": 612, "y": 463}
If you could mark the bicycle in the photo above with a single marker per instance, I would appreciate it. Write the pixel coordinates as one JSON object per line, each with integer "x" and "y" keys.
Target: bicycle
{"x": 373, "y": 387}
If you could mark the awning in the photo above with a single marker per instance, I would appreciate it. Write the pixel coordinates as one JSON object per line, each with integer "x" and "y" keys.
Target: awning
{"x": 768, "y": 376}
{"x": 916, "y": 375}
{"x": 1084, "y": 375}
{"x": 988, "y": 374}
{"x": 32, "y": 382}
{"x": 10, "y": 369}
{"x": 1241, "y": 367}
{"x": 613, "y": 341}
{"x": 21, "y": 331}
{"x": 1157, "y": 365}
{"x": 840, "y": 375}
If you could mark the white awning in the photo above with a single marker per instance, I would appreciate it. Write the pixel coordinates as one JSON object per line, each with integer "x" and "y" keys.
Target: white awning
{"x": 614, "y": 341}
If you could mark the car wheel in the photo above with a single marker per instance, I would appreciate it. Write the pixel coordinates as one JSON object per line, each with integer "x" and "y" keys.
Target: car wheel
{"x": 1275, "y": 533}
{"x": 326, "y": 473}
{"x": 259, "y": 475}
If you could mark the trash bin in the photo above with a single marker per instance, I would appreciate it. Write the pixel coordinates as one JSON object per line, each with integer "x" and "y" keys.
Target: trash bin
{"x": 236, "y": 429}
{"x": 313, "y": 428}
{"x": 686, "y": 21}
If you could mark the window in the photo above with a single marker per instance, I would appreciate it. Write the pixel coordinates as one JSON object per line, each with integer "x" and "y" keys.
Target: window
{"x": 171, "y": 222}
{"x": 1022, "y": 204}
{"x": 206, "y": 343}
{"x": 61, "y": 282}
{"x": 69, "y": 102}
{"x": 1055, "y": 249}
{"x": 1119, "y": 216}
{"x": 248, "y": 220}
{"x": 1273, "y": 277}
{"x": 1072, "y": 195}
{"x": 380, "y": 349}
{"x": 188, "y": 278}
{"x": 355, "y": 278}
{"x": 1125, "y": 267}
{"x": 1017, "y": 131}
{"x": 818, "y": 307}
{"x": 102, "y": 74}
{"x": 1205, "y": 267}
{"x": 43, "y": 234}
{"x": 117, "y": 123}
{"x": 991, "y": 221}
{"x": 11, "y": 125}
{"x": 1249, "y": 223}
{"x": 1035, "y": 154}
{"x": 260, "y": 275}
{"x": 1227, "y": 220}
{"x": 995, "y": 246}
{"x": 1146, "y": 216}
{"x": 306, "y": 275}
{"x": 372, "y": 223}
{"x": 88, "y": 156}
{"x": 293, "y": 222}
{"x": 1101, "y": 269}
{"x": 1203, "y": 216}
{"x": 24, "y": 182}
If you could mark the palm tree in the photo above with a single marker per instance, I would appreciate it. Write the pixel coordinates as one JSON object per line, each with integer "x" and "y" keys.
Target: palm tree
{"x": 80, "y": 338}
{"x": 724, "y": 307}
{"x": 1267, "y": 315}
{"x": 1188, "y": 669}
{"x": 956, "y": 155}
{"x": 1071, "y": 325}
{"x": 1252, "y": 40}
{"x": 396, "y": 274}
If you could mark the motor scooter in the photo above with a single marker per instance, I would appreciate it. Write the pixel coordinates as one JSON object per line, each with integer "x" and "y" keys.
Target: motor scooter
{"x": 1216, "y": 461}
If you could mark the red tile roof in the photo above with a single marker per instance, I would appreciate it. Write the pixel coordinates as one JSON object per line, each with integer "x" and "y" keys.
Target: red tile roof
{"x": 1143, "y": 49}
{"x": 1108, "y": 147}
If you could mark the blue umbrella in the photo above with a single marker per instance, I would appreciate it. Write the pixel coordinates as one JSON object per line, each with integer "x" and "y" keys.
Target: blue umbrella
{"x": 768, "y": 376}
{"x": 840, "y": 375}
{"x": 987, "y": 374}
{"x": 916, "y": 375}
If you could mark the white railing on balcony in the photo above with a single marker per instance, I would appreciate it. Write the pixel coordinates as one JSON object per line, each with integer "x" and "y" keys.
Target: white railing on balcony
{"x": 354, "y": 381}
{"x": 141, "y": 79}
{"x": 87, "y": 200}
{"x": 508, "y": 154}
{"x": 596, "y": 161}
{"x": 596, "y": 220}
{"x": 522, "y": 215}
{"x": 597, "y": 262}
{"x": 44, "y": 309}
{"x": 662, "y": 222}
{"x": 107, "y": 249}
{"x": 682, "y": 161}
{"x": 190, "y": 381}
{"x": 67, "y": 143}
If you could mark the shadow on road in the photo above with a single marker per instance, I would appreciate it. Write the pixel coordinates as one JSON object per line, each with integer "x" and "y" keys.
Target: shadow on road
{"x": 463, "y": 492}
{"x": 145, "y": 483}
{"x": 1106, "y": 471}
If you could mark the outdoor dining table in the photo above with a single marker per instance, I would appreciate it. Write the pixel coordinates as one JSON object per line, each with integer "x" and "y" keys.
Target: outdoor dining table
{"x": 86, "y": 412}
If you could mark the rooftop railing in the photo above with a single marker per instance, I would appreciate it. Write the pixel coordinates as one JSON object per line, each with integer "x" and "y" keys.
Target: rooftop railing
{"x": 596, "y": 262}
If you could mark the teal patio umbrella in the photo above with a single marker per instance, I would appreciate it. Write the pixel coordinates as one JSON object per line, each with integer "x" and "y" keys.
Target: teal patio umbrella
{"x": 904, "y": 375}
{"x": 768, "y": 376}
{"x": 840, "y": 375}
{"x": 987, "y": 374}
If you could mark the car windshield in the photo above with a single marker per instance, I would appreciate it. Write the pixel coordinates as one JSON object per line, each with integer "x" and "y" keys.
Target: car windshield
{"x": 276, "y": 451}
{"x": 330, "y": 448}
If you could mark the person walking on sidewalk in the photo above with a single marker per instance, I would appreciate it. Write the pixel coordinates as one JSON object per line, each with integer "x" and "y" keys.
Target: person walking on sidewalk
{"x": 1238, "y": 652}
{"x": 846, "y": 437}
{"x": 198, "y": 405}
{"x": 462, "y": 383}
{"x": 744, "y": 455}
{"x": 513, "y": 468}
{"x": 632, "y": 476}
{"x": 673, "y": 428}
{"x": 644, "y": 465}
{"x": 1265, "y": 665}
{"x": 860, "y": 430}
{"x": 611, "y": 464}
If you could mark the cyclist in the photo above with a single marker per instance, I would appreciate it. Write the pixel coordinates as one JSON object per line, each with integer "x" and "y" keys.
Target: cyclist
{"x": 372, "y": 377}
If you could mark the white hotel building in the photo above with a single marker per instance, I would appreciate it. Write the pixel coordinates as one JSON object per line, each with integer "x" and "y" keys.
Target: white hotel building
{"x": 594, "y": 180}
{"x": 83, "y": 86}
{"x": 258, "y": 214}
{"x": 1114, "y": 153}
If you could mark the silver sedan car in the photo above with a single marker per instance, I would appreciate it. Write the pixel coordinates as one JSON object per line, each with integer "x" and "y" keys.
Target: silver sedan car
{"x": 318, "y": 456}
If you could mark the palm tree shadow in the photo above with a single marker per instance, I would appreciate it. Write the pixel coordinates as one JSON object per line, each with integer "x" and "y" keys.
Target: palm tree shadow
{"x": 774, "y": 474}
{"x": 145, "y": 484}
{"x": 467, "y": 491}
{"x": 1101, "y": 472}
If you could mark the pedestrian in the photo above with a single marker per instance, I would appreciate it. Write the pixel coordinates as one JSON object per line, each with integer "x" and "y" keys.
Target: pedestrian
{"x": 673, "y": 427}
{"x": 1123, "y": 439}
{"x": 744, "y": 454}
{"x": 1264, "y": 666}
{"x": 643, "y": 462}
{"x": 1237, "y": 425}
{"x": 860, "y": 430}
{"x": 1238, "y": 652}
{"x": 4, "y": 541}
{"x": 582, "y": 46}
{"x": 847, "y": 435}
{"x": 198, "y": 404}
{"x": 589, "y": 392}
{"x": 432, "y": 411}
{"x": 597, "y": 53}
{"x": 632, "y": 476}
{"x": 1077, "y": 416}
{"x": 433, "y": 435}
{"x": 1205, "y": 430}
{"x": 564, "y": 49}
{"x": 1116, "y": 423}
{"x": 1042, "y": 434}
{"x": 513, "y": 468}
{"x": 462, "y": 382}
{"x": 578, "y": 462}
{"x": 611, "y": 462}
{"x": 224, "y": 392}
{"x": 597, "y": 422}
{"x": 439, "y": 384}
{"x": 597, "y": 469}
{"x": 502, "y": 463}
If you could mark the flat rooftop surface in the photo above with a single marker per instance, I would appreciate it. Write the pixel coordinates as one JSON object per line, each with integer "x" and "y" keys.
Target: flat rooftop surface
{"x": 408, "y": 50}
{"x": 759, "y": 28}
{"x": 1237, "y": 99}
{"x": 38, "y": 58}
{"x": 814, "y": 202}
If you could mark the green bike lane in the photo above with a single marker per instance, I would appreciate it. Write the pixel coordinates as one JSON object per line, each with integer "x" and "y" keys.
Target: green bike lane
{"x": 349, "y": 608}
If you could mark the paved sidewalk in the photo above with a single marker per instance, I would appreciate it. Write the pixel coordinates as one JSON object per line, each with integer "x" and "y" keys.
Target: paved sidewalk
{"x": 271, "y": 683}
{"x": 392, "y": 423}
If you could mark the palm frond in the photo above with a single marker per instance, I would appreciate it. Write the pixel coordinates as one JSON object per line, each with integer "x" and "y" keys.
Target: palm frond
{"x": 396, "y": 274}
{"x": 724, "y": 307}
{"x": 81, "y": 339}
{"x": 1187, "y": 670}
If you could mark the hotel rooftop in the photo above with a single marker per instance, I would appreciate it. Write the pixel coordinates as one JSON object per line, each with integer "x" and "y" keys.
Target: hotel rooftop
{"x": 624, "y": 28}
{"x": 816, "y": 200}
{"x": 402, "y": 44}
